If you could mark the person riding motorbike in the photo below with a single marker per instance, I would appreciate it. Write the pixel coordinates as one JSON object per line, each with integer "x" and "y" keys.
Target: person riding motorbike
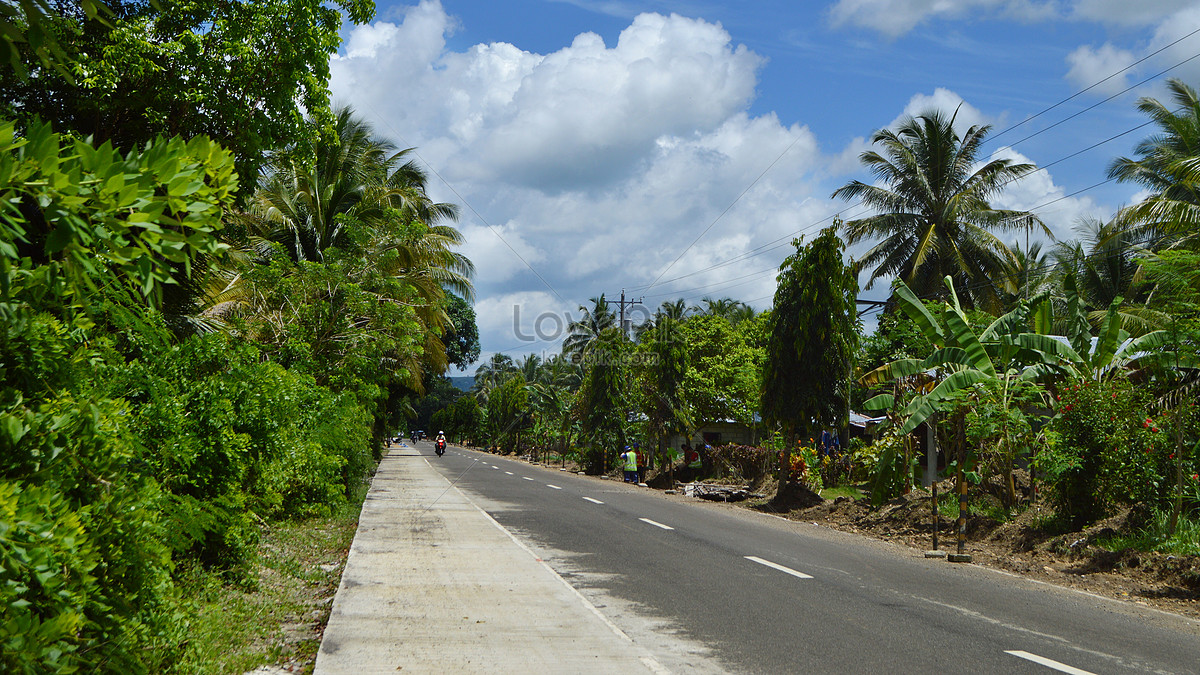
{"x": 440, "y": 442}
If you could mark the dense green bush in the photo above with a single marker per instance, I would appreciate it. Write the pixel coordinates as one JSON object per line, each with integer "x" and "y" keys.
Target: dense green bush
{"x": 85, "y": 571}
{"x": 1108, "y": 450}
{"x": 233, "y": 437}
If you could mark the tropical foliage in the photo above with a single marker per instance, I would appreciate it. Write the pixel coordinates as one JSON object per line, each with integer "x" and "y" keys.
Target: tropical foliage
{"x": 933, "y": 215}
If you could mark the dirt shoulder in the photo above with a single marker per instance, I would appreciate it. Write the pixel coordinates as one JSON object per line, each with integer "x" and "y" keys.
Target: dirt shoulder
{"x": 1024, "y": 546}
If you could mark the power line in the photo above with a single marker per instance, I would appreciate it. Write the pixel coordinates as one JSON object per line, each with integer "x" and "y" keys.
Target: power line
{"x": 808, "y": 228}
{"x": 1095, "y": 84}
{"x": 727, "y": 209}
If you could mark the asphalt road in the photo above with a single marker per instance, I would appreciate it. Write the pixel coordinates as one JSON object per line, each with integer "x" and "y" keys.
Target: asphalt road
{"x": 751, "y": 593}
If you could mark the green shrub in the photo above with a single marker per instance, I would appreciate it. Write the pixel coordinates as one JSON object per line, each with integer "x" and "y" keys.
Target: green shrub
{"x": 1108, "y": 451}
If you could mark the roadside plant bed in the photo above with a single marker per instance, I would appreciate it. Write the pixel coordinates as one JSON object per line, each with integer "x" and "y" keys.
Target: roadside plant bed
{"x": 1033, "y": 543}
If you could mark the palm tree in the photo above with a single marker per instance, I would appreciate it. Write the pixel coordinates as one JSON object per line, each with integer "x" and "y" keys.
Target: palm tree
{"x": 676, "y": 310}
{"x": 933, "y": 214}
{"x": 1032, "y": 270}
{"x": 585, "y": 331}
{"x": 1101, "y": 267}
{"x": 316, "y": 195}
{"x": 734, "y": 311}
{"x": 492, "y": 374}
{"x": 1166, "y": 166}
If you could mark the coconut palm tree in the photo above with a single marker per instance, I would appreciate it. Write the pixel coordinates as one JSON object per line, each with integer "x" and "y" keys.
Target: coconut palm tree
{"x": 1166, "y": 165}
{"x": 350, "y": 181}
{"x": 492, "y": 374}
{"x": 933, "y": 218}
{"x": 591, "y": 323}
{"x": 734, "y": 311}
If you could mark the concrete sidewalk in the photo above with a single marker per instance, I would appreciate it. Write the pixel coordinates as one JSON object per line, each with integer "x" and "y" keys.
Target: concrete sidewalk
{"x": 435, "y": 585}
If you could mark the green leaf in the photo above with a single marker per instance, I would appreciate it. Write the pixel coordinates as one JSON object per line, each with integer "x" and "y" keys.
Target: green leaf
{"x": 915, "y": 309}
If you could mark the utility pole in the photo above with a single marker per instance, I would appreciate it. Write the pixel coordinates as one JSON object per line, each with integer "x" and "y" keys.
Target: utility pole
{"x": 621, "y": 304}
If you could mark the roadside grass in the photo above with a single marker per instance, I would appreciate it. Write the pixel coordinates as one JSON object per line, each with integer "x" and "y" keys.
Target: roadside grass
{"x": 851, "y": 491}
{"x": 1153, "y": 537}
{"x": 235, "y": 629}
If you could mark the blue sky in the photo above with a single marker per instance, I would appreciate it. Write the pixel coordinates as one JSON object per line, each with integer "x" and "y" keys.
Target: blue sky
{"x": 596, "y": 146}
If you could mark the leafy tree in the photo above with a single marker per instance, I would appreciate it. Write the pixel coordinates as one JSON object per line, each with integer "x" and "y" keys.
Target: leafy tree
{"x": 508, "y": 413}
{"x": 242, "y": 73}
{"x": 93, "y": 217}
{"x": 492, "y": 374}
{"x": 1101, "y": 267}
{"x": 462, "y": 340}
{"x": 733, "y": 311}
{"x": 812, "y": 339}
{"x": 934, "y": 217}
{"x": 602, "y": 400}
{"x": 440, "y": 394}
{"x": 346, "y": 195}
{"x": 999, "y": 361}
{"x": 724, "y": 364}
{"x": 662, "y": 378}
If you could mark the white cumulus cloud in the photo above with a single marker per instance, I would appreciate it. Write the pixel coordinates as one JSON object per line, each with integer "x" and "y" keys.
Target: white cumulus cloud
{"x": 1092, "y": 65}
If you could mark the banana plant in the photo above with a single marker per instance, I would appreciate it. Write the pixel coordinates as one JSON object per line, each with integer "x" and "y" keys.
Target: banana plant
{"x": 1004, "y": 356}
{"x": 1005, "y": 350}
{"x": 1112, "y": 351}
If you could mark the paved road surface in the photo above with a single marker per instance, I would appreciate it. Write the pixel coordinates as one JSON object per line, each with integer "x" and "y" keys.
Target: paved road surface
{"x": 699, "y": 588}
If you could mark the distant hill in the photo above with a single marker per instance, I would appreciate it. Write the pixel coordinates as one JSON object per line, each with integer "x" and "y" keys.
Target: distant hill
{"x": 464, "y": 383}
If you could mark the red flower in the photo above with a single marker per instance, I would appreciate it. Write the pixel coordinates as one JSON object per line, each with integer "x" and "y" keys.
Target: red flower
{"x": 1196, "y": 476}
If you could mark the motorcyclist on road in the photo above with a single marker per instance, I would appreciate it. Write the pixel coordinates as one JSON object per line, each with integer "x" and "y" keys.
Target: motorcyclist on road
{"x": 440, "y": 442}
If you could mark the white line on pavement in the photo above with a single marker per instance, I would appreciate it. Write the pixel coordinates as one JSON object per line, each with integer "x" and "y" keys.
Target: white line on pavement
{"x": 496, "y": 467}
{"x": 509, "y": 472}
{"x": 526, "y": 477}
{"x": 553, "y": 487}
{"x": 594, "y": 501}
{"x": 647, "y": 520}
{"x": 1049, "y": 663}
{"x": 777, "y": 566}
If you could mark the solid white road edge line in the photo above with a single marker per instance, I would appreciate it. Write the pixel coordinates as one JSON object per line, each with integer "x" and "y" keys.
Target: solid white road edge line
{"x": 777, "y": 566}
{"x": 647, "y": 520}
{"x": 594, "y": 501}
{"x": 1049, "y": 663}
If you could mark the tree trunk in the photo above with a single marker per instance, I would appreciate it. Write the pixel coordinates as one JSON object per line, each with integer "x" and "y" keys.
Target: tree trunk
{"x": 785, "y": 461}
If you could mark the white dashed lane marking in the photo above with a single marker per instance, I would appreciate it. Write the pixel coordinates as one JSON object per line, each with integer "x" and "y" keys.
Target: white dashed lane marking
{"x": 647, "y": 520}
{"x": 526, "y": 478}
{"x": 509, "y": 472}
{"x": 777, "y": 566}
{"x": 1049, "y": 663}
{"x": 594, "y": 501}
{"x": 553, "y": 487}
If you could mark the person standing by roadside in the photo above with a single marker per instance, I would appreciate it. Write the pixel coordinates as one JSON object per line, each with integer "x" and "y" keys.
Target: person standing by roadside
{"x": 641, "y": 464}
{"x": 629, "y": 464}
